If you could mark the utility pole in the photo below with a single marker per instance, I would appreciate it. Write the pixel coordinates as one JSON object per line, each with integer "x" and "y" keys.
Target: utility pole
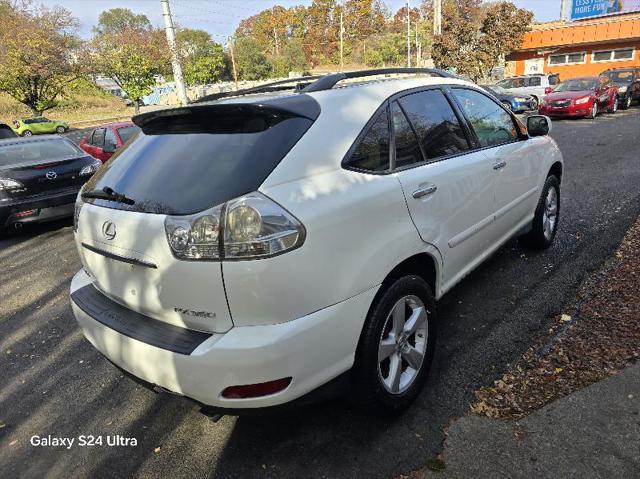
{"x": 233, "y": 62}
{"x": 408, "y": 37}
{"x": 563, "y": 10}
{"x": 175, "y": 61}
{"x": 418, "y": 46}
{"x": 341, "y": 40}
{"x": 437, "y": 17}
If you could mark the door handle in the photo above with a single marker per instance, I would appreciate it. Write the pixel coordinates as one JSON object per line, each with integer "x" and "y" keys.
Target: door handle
{"x": 500, "y": 165}
{"x": 424, "y": 191}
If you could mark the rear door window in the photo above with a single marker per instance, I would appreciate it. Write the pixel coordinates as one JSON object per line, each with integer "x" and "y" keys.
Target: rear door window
{"x": 126, "y": 132}
{"x": 436, "y": 124}
{"x": 372, "y": 151}
{"x": 407, "y": 149}
{"x": 491, "y": 123}
{"x": 189, "y": 162}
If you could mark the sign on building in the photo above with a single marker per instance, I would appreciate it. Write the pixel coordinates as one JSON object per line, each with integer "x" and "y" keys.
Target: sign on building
{"x": 596, "y": 8}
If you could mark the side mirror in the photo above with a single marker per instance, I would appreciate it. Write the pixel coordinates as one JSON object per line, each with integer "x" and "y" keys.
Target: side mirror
{"x": 538, "y": 125}
{"x": 109, "y": 148}
{"x": 548, "y": 90}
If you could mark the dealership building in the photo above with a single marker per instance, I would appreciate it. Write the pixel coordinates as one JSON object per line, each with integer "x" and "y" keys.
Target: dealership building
{"x": 601, "y": 34}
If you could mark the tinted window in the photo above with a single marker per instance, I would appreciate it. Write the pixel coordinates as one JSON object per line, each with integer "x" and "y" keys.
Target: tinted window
{"x": 98, "y": 138}
{"x": 110, "y": 137}
{"x": 623, "y": 54}
{"x": 372, "y": 153}
{"x": 190, "y": 162}
{"x": 554, "y": 80}
{"x": 38, "y": 151}
{"x": 535, "y": 81}
{"x": 126, "y": 132}
{"x": 437, "y": 126}
{"x": 406, "y": 143}
{"x": 492, "y": 125}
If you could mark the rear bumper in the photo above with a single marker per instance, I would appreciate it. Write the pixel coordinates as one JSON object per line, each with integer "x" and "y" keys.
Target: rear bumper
{"x": 312, "y": 350}
{"x": 46, "y": 207}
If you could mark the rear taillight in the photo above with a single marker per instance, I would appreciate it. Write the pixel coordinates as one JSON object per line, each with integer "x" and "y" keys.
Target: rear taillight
{"x": 250, "y": 227}
{"x": 256, "y": 390}
{"x": 16, "y": 124}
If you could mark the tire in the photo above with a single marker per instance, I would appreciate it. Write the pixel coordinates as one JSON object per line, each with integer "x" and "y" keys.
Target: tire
{"x": 60, "y": 130}
{"x": 27, "y": 133}
{"x": 614, "y": 107}
{"x": 594, "y": 111}
{"x": 626, "y": 104}
{"x": 545, "y": 224}
{"x": 372, "y": 381}
{"x": 535, "y": 103}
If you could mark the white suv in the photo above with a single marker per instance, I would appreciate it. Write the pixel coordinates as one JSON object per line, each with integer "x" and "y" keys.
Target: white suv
{"x": 243, "y": 252}
{"x": 536, "y": 85}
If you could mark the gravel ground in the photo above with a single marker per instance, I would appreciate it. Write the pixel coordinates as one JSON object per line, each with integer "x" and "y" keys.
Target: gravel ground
{"x": 54, "y": 382}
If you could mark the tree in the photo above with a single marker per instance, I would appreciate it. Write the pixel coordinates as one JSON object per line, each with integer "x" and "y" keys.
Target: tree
{"x": 291, "y": 60}
{"x": 502, "y": 30}
{"x": 203, "y": 59}
{"x": 210, "y": 68}
{"x": 120, "y": 19}
{"x": 38, "y": 51}
{"x": 251, "y": 62}
{"x": 132, "y": 58}
{"x": 474, "y": 38}
{"x": 385, "y": 50}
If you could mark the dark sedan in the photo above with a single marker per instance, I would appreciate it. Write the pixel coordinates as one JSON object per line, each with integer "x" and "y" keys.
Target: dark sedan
{"x": 40, "y": 179}
{"x": 6, "y": 131}
{"x": 515, "y": 103}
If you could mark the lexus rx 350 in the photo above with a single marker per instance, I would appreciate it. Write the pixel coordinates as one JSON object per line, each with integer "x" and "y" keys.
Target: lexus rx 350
{"x": 245, "y": 252}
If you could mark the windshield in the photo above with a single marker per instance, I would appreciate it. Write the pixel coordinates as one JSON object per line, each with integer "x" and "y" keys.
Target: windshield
{"x": 620, "y": 77}
{"x": 577, "y": 85}
{"x": 126, "y": 132}
{"x": 189, "y": 163}
{"x": 39, "y": 151}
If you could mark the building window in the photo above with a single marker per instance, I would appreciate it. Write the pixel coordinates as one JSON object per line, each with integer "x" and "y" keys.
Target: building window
{"x": 620, "y": 54}
{"x": 567, "y": 58}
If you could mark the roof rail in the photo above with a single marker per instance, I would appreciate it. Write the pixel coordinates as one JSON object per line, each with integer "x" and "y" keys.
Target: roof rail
{"x": 329, "y": 81}
{"x": 273, "y": 86}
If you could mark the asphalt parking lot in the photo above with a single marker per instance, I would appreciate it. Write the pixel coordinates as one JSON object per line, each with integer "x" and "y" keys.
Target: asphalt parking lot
{"x": 54, "y": 383}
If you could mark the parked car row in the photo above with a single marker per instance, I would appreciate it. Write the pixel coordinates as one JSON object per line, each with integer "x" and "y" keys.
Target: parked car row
{"x": 576, "y": 97}
{"x": 40, "y": 177}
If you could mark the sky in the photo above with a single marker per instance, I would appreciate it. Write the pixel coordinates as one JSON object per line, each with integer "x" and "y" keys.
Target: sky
{"x": 221, "y": 17}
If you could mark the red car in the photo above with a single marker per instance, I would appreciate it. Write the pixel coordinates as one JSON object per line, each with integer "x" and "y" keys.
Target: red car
{"x": 581, "y": 97}
{"x": 102, "y": 142}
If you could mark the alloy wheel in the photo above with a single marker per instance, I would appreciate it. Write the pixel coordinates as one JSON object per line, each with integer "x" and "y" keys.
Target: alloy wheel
{"x": 615, "y": 105}
{"x": 594, "y": 109}
{"x": 627, "y": 103}
{"x": 550, "y": 214}
{"x": 403, "y": 344}
{"x": 27, "y": 133}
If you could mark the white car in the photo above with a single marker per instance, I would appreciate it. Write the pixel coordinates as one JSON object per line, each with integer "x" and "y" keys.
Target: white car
{"x": 254, "y": 251}
{"x": 536, "y": 85}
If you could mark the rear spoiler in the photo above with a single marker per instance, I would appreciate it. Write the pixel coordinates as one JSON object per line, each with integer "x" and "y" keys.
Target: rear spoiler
{"x": 303, "y": 106}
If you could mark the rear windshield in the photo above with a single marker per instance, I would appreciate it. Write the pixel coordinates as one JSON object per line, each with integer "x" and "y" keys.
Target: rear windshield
{"x": 189, "y": 163}
{"x": 126, "y": 132}
{"x": 39, "y": 151}
{"x": 620, "y": 76}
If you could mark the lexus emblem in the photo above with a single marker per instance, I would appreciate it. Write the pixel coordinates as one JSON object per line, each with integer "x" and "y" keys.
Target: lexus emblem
{"x": 109, "y": 230}
{"x": 51, "y": 175}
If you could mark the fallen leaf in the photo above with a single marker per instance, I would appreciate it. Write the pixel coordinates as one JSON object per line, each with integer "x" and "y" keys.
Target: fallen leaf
{"x": 565, "y": 318}
{"x": 558, "y": 370}
{"x": 157, "y": 450}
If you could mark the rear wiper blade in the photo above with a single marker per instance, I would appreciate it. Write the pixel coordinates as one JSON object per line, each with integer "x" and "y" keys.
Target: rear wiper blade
{"x": 108, "y": 193}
